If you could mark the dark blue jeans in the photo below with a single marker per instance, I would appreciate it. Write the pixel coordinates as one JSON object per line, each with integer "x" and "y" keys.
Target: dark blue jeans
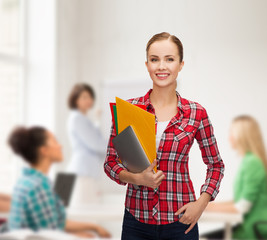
{"x": 135, "y": 230}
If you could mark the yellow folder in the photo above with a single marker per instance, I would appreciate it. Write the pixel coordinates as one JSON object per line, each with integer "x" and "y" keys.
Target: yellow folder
{"x": 143, "y": 123}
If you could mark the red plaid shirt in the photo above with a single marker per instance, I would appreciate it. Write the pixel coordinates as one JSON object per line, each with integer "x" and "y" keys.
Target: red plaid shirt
{"x": 176, "y": 190}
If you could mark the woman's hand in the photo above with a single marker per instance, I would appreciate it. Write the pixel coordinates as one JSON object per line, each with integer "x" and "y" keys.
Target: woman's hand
{"x": 85, "y": 229}
{"x": 102, "y": 232}
{"x": 150, "y": 179}
{"x": 84, "y": 235}
{"x": 193, "y": 210}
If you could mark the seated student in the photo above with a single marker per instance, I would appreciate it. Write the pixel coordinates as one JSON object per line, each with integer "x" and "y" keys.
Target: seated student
{"x": 250, "y": 186}
{"x": 34, "y": 204}
{"x": 4, "y": 205}
{"x": 4, "y": 202}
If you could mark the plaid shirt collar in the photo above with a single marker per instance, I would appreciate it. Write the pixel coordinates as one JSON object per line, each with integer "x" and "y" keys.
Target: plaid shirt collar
{"x": 177, "y": 118}
{"x": 32, "y": 172}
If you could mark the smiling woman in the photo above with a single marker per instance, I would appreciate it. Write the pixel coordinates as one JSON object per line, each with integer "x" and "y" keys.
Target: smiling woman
{"x": 167, "y": 199}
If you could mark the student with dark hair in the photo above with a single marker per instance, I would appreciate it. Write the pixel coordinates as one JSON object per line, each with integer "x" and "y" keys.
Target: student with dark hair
{"x": 87, "y": 142}
{"x": 34, "y": 203}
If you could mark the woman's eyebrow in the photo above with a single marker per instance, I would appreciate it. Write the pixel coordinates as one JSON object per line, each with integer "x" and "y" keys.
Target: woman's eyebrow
{"x": 164, "y": 56}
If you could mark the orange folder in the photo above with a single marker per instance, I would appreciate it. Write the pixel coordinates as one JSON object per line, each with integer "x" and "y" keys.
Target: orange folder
{"x": 143, "y": 123}
{"x": 113, "y": 110}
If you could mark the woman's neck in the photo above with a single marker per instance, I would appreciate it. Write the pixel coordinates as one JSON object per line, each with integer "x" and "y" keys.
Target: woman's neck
{"x": 43, "y": 166}
{"x": 83, "y": 111}
{"x": 163, "y": 96}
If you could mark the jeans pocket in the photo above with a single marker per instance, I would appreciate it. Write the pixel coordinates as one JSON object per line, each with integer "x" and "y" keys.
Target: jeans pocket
{"x": 128, "y": 219}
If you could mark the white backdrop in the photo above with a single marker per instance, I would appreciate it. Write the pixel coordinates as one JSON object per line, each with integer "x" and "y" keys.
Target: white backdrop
{"x": 225, "y": 49}
{"x": 102, "y": 42}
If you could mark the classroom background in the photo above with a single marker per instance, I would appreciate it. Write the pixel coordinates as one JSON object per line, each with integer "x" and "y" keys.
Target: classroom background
{"x": 47, "y": 46}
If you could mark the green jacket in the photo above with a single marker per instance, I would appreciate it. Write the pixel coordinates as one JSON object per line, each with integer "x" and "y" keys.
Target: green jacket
{"x": 251, "y": 184}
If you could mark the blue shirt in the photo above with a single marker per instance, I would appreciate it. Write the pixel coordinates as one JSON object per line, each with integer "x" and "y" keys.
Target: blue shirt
{"x": 88, "y": 145}
{"x": 34, "y": 204}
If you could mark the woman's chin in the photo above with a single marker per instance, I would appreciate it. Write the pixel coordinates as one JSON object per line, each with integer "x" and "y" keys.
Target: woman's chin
{"x": 163, "y": 84}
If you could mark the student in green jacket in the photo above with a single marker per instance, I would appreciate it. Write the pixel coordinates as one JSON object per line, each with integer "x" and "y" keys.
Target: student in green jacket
{"x": 250, "y": 185}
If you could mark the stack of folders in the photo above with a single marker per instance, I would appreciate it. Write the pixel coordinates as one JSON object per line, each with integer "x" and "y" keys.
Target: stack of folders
{"x": 135, "y": 142}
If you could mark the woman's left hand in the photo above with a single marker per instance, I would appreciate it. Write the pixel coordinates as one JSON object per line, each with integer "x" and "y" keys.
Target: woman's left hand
{"x": 193, "y": 210}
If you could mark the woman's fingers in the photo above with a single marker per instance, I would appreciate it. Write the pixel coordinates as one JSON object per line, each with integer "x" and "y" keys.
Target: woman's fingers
{"x": 159, "y": 174}
{"x": 185, "y": 220}
{"x": 152, "y": 165}
{"x": 180, "y": 210}
{"x": 190, "y": 228}
{"x": 159, "y": 179}
{"x": 152, "y": 180}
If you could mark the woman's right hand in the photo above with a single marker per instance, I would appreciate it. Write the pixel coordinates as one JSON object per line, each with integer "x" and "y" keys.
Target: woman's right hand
{"x": 150, "y": 179}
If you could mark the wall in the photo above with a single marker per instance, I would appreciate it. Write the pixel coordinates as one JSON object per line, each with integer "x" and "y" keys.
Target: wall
{"x": 103, "y": 43}
{"x": 67, "y": 64}
{"x": 40, "y": 65}
{"x": 225, "y": 54}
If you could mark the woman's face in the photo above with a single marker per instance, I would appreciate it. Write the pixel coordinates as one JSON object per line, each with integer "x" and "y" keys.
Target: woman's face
{"x": 52, "y": 149}
{"x": 85, "y": 101}
{"x": 163, "y": 63}
{"x": 232, "y": 139}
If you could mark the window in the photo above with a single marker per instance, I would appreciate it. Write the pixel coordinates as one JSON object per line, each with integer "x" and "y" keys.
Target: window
{"x": 11, "y": 82}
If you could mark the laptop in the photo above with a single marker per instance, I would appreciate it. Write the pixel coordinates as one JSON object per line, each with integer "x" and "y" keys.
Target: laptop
{"x": 64, "y": 185}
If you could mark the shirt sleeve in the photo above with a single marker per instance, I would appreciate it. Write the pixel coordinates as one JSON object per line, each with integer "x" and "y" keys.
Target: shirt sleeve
{"x": 210, "y": 155}
{"x": 112, "y": 165}
{"x": 243, "y": 206}
{"x": 253, "y": 177}
{"x": 89, "y": 135}
{"x": 42, "y": 210}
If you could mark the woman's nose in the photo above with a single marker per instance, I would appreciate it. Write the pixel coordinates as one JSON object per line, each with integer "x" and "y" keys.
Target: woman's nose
{"x": 162, "y": 65}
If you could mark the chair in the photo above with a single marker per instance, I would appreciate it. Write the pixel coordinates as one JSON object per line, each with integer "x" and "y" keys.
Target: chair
{"x": 257, "y": 229}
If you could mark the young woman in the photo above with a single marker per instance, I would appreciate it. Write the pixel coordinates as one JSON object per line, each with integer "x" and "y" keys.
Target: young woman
{"x": 250, "y": 186}
{"x": 165, "y": 206}
{"x": 88, "y": 144}
{"x": 34, "y": 204}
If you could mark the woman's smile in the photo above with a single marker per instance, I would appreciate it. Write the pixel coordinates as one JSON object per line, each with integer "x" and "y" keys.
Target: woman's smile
{"x": 162, "y": 76}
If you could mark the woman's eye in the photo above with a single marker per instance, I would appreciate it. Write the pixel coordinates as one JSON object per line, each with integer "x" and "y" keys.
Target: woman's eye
{"x": 154, "y": 59}
{"x": 170, "y": 59}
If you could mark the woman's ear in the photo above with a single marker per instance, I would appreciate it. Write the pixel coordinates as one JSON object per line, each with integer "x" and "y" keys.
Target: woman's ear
{"x": 181, "y": 66}
{"x": 146, "y": 64}
{"x": 43, "y": 151}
